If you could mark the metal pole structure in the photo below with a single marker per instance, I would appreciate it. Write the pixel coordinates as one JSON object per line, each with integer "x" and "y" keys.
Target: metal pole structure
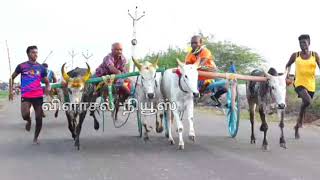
{"x": 134, "y": 41}
{"x": 47, "y": 57}
{"x": 87, "y": 56}
{"x": 8, "y": 58}
{"x": 72, "y": 54}
{"x": 10, "y": 75}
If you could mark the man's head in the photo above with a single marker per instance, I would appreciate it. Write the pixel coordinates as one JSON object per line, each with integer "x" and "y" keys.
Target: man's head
{"x": 304, "y": 41}
{"x": 32, "y": 52}
{"x": 45, "y": 65}
{"x": 116, "y": 49}
{"x": 196, "y": 42}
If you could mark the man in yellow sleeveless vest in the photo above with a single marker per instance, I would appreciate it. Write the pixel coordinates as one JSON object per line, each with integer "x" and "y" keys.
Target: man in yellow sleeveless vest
{"x": 305, "y": 76}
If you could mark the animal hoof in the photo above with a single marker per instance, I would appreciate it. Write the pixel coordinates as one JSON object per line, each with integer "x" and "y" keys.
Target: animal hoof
{"x": 77, "y": 145}
{"x": 283, "y": 145}
{"x": 167, "y": 135}
{"x": 171, "y": 142}
{"x": 296, "y": 132}
{"x": 253, "y": 141}
{"x": 73, "y": 136}
{"x": 181, "y": 147}
{"x": 265, "y": 147}
{"x": 96, "y": 126}
{"x": 192, "y": 138}
{"x": 159, "y": 130}
{"x": 146, "y": 138}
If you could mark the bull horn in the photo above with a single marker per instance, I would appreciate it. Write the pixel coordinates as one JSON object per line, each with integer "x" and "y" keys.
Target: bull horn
{"x": 65, "y": 76}
{"x": 87, "y": 76}
{"x": 155, "y": 64}
{"x": 136, "y": 63}
{"x": 179, "y": 62}
{"x": 267, "y": 74}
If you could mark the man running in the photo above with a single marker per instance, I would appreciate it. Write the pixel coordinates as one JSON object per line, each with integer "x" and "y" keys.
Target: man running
{"x": 305, "y": 76}
{"x": 31, "y": 91}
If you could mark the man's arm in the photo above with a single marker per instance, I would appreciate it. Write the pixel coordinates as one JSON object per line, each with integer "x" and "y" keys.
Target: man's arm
{"x": 54, "y": 78}
{"x": 317, "y": 59}
{"x": 47, "y": 83}
{"x": 11, "y": 82}
{"x": 108, "y": 64}
{"x": 290, "y": 62}
{"x": 114, "y": 70}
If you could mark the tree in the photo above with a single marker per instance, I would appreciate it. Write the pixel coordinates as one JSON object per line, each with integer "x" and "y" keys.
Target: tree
{"x": 224, "y": 52}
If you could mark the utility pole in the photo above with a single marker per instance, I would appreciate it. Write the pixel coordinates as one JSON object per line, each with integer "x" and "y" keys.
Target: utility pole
{"x": 8, "y": 58}
{"x": 87, "y": 56}
{"x": 72, "y": 54}
{"x": 135, "y": 18}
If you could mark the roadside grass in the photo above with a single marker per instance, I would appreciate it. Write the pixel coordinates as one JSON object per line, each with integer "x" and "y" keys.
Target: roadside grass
{"x": 3, "y": 95}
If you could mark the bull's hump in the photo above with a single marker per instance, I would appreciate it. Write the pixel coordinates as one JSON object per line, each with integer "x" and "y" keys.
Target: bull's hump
{"x": 257, "y": 72}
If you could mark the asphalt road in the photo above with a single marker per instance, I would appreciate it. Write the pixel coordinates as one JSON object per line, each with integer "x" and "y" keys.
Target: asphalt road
{"x": 118, "y": 154}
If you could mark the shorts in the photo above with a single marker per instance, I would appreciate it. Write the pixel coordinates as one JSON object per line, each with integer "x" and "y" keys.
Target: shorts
{"x": 299, "y": 88}
{"x": 33, "y": 101}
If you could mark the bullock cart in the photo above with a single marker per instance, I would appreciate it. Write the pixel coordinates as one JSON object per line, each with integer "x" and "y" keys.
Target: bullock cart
{"x": 232, "y": 106}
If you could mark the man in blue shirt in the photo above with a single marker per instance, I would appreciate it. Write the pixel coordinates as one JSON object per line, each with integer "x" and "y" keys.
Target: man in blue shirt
{"x": 50, "y": 74}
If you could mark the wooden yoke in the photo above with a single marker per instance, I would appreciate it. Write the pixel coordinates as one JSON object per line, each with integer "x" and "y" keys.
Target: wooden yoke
{"x": 231, "y": 76}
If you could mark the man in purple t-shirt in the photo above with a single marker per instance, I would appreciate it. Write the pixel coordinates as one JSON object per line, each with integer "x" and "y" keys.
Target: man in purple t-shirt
{"x": 31, "y": 91}
{"x": 114, "y": 63}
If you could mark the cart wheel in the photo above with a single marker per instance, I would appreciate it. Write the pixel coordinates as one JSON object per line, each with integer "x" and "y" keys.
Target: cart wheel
{"x": 139, "y": 124}
{"x": 233, "y": 112}
{"x": 119, "y": 115}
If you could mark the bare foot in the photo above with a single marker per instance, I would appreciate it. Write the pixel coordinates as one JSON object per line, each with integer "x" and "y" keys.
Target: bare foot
{"x": 28, "y": 125}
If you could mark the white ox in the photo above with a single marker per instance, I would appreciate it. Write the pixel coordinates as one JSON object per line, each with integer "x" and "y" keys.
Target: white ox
{"x": 179, "y": 87}
{"x": 148, "y": 92}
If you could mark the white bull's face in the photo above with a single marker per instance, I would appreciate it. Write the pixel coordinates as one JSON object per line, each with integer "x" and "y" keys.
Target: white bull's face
{"x": 278, "y": 89}
{"x": 148, "y": 81}
{"x": 190, "y": 76}
{"x": 148, "y": 77}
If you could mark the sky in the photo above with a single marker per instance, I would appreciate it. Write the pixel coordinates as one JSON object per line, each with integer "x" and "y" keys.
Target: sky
{"x": 269, "y": 27}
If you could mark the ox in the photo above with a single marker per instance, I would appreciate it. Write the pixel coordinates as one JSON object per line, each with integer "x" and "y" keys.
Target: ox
{"x": 75, "y": 91}
{"x": 179, "y": 87}
{"x": 148, "y": 93}
{"x": 262, "y": 95}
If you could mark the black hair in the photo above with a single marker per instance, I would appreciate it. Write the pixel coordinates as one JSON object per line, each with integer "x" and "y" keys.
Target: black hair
{"x": 304, "y": 37}
{"x": 198, "y": 36}
{"x": 45, "y": 65}
{"x": 31, "y": 48}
